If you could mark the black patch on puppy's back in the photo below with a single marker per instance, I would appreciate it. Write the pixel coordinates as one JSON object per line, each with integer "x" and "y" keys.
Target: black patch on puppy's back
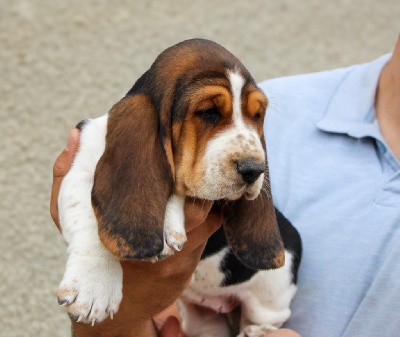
{"x": 215, "y": 243}
{"x": 235, "y": 271}
{"x": 291, "y": 241}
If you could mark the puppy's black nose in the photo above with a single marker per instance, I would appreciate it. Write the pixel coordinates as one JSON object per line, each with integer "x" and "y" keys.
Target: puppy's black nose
{"x": 250, "y": 170}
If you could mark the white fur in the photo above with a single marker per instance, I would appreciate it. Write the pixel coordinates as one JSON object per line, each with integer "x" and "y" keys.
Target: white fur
{"x": 202, "y": 323}
{"x": 264, "y": 299}
{"x": 174, "y": 225}
{"x": 237, "y": 83}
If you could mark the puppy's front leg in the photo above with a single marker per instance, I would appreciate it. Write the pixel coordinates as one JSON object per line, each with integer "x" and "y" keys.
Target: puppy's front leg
{"x": 91, "y": 288}
{"x": 174, "y": 226}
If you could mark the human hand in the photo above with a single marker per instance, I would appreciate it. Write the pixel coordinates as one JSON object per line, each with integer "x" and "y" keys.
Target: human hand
{"x": 148, "y": 288}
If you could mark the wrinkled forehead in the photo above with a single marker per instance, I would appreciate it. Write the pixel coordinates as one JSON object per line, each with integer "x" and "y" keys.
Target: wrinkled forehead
{"x": 234, "y": 83}
{"x": 230, "y": 78}
{"x": 186, "y": 71}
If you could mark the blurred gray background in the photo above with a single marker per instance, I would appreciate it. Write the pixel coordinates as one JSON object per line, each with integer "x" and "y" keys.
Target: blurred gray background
{"x": 61, "y": 61}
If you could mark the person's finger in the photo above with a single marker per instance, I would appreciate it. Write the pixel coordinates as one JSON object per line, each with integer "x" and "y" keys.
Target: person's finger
{"x": 64, "y": 160}
{"x": 200, "y": 234}
{"x": 161, "y": 317}
{"x": 171, "y": 328}
{"x": 282, "y": 333}
{"x": 193, "y": 249}
{"x": 60, "y": 168}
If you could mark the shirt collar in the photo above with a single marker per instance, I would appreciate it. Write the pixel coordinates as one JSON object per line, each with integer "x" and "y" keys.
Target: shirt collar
{"x": 351, "y": 110}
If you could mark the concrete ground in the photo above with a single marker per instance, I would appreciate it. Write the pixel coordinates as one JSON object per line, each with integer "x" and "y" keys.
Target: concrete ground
{"x": 61, "y": 61}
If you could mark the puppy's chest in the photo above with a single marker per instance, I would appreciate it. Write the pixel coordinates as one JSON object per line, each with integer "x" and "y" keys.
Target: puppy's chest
{"x": 209, "y": 274}
{"x": 219, "y": 276}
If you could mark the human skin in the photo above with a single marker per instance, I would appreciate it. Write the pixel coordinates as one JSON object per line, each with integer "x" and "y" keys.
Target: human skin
{"x": 387, "y": 103}
{"x": 149, "y": 288}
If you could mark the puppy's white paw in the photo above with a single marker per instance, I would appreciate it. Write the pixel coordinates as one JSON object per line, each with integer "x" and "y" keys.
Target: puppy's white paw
{"x": 256, "y": 330}
{"x": 174, "y": 226}
{"x": 173, "y": 242}
{"x": 175, "y": 239}
{"x": 91, "y": 289}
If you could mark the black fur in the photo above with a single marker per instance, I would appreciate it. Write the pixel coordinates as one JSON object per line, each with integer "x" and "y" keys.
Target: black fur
{"x": 291, "y": 241}
{"x": 215, "y": 243}
{"x": 235, "y": 271}
{"x": 81, "y": 124}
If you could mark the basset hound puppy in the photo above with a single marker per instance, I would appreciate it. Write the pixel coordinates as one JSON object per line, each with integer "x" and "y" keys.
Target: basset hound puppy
{"x": 191, "y": 125}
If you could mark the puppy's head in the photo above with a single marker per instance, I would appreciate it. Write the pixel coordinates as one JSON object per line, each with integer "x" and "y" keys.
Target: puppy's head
{"x": 219, "y": 146}
{"x": 191, "y": 125}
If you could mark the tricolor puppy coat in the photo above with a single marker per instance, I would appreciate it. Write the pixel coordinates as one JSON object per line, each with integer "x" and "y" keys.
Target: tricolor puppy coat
{"x": 192, "y": 125}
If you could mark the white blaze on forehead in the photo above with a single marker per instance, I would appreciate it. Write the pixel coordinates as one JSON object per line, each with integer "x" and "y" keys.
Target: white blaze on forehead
{"x": 238, "y": 141}
{"x": 237, "y": 83}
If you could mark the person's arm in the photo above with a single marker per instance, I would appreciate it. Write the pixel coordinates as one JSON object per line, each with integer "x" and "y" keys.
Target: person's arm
{"x": 148, "y": 287}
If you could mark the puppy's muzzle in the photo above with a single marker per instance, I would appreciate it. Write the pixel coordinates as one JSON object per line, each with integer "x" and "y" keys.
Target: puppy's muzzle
{"x": 250, "y": 169}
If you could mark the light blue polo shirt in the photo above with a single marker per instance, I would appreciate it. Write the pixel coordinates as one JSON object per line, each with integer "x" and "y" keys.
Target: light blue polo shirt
{"x": 334, "y": 177}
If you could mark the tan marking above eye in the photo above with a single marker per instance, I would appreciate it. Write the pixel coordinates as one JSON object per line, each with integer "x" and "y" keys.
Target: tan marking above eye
{"x": 211, "y": 96}
{"x": 256, "y": 103}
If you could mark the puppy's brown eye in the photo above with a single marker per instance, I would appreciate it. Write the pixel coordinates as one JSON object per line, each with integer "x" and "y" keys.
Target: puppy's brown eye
{"x": 210, "y": 116}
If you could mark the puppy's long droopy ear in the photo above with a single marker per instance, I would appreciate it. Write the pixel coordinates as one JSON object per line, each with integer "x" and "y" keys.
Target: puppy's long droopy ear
{"x": 133, "y": 180}
{"x": 252, "y": 231}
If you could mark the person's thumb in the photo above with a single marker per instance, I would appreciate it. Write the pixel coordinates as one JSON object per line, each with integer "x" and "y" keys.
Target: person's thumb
{"x": 64, "y": 160}
{"x": 60, "y": 168}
